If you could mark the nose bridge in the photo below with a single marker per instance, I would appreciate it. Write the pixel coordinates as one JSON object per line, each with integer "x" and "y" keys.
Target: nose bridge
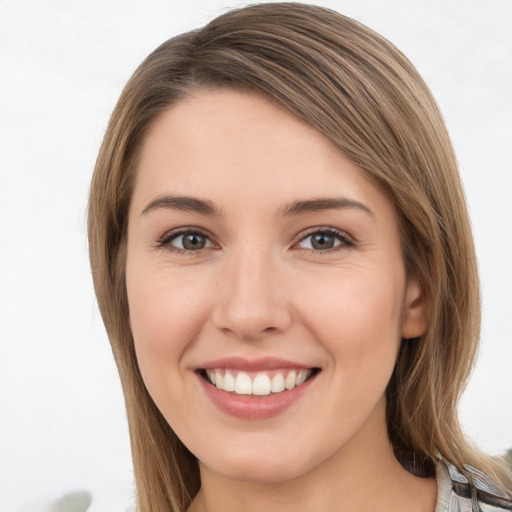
{"x": 251, "y": 302}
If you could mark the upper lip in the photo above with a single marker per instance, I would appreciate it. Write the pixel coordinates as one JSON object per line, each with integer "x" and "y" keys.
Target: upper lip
{"x": 252, "y": 365}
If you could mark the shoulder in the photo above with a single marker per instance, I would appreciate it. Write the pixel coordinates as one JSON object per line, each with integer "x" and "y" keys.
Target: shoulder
{"x": 472, "y": 491}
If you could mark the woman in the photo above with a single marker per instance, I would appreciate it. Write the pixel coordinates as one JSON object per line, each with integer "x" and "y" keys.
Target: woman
{"x": 283, "y": 260}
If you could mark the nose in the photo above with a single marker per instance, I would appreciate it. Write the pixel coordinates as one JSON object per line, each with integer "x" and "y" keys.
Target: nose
{"x": 251, "y": 301}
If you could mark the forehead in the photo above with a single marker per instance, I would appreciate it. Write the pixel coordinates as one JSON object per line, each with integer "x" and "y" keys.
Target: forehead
{"x": 224, "y": 145}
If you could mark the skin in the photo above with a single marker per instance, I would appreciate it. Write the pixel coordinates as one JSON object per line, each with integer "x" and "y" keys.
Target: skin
{"x": 259, "y": 288}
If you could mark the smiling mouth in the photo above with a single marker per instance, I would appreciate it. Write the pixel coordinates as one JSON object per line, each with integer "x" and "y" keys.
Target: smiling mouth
{"x": 261, "y": 383}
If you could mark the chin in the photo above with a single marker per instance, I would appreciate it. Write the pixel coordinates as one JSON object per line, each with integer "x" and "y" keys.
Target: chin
{"x": 256, "y": 473}
{"x": 271, "y": 466}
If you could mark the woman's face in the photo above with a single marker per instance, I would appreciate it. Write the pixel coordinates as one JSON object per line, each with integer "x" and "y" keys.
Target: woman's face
{"x": 258, "y": 256}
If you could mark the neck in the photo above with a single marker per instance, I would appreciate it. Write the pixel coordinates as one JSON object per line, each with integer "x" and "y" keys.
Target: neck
{"x": 363, "y": 475}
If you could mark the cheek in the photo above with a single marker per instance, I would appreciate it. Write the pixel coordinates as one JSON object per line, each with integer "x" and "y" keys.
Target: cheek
{"x": 357, "y": 320}
{"x": 165, "y": 318}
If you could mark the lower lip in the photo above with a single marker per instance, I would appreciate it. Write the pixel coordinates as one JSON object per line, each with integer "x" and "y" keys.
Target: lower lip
{"x": 251, "y": 407}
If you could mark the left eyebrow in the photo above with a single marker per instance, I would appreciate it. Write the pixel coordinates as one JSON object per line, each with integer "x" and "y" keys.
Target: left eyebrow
{"x": 323, "y": 203}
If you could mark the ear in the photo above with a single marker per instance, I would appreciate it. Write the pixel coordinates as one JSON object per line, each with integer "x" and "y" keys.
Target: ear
{"x": 415, "y": 314}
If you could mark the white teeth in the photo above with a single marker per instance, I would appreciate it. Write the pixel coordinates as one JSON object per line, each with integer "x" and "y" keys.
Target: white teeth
{"x": 243, "y": 384}
{"x": 219, "y": 380}
{"x": 229, "y": 382}
{"x": 260, "y": 385}
{"x": 301, "y": 377}
{"x": 289, "y": 382}
{"x": 277, "y": 383}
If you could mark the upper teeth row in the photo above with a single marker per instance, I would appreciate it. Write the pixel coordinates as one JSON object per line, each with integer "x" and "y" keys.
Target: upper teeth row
{"x": 260, "y": 385}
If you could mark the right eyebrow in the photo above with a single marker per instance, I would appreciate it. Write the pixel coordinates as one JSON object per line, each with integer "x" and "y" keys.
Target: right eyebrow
{"x": 183, "y": 203}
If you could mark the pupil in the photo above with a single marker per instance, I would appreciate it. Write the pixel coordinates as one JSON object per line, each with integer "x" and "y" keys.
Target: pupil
{"x": 194, "y": 241}
{"x": 322, "y": 241}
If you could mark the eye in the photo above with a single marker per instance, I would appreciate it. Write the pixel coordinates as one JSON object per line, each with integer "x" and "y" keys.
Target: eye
{"x": 186, "y": 241}
{"x": 325, "y": 240}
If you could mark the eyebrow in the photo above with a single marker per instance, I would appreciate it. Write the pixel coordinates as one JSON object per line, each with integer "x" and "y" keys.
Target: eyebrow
{"x": 323, "y": 203}
{"x": 183, "y": 203}
{"x": 299, "y": 207}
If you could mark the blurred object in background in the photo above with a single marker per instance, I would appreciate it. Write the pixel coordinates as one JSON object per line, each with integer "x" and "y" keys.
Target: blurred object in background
{"x": 76, "y": 501}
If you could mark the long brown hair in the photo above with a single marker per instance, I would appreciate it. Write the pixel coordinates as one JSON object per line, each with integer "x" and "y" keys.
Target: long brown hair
{"x": 358, "y": 90}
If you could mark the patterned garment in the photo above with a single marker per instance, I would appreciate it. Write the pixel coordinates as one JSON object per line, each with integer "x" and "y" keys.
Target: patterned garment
{"x": 456, "y": 494}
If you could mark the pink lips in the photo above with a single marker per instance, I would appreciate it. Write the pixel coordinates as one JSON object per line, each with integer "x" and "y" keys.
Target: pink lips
{"x": 252, "y": 365}
{"x": 250, "y": 406}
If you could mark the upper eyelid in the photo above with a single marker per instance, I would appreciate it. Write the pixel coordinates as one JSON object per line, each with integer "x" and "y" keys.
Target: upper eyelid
{"x": 175, "y": 233}
{"x": 325, "y": 229}
{"x": 322, "y": 229}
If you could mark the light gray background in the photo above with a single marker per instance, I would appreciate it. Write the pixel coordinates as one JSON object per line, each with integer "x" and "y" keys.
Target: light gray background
{"x": 62, "y": 67}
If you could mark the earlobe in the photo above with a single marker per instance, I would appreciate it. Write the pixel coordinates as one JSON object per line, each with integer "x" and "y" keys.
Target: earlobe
{"x": 415, "y": 314}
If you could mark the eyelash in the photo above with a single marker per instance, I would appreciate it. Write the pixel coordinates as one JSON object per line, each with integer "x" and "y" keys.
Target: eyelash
{"x": 346, "y": 240}
{"x": 165, "y": 241}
